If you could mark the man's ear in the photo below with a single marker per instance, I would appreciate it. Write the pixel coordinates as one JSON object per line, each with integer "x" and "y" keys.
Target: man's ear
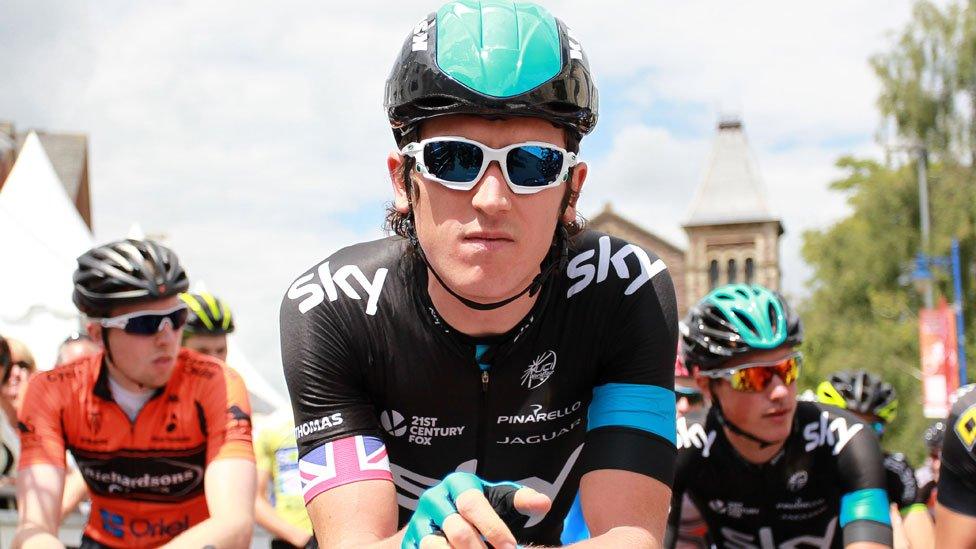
{"x": 94, "y": 330}
{"x": 576, "y": 184}
{"x": 401, "y": 196}
{"x": 703, "y": 384}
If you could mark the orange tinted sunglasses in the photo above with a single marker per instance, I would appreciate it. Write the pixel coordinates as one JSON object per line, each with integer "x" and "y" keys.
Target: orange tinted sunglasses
{"x": 756, "y": 376}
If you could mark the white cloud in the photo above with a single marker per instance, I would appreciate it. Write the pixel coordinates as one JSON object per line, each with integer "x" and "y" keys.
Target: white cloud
{"x": 253, "y": 133}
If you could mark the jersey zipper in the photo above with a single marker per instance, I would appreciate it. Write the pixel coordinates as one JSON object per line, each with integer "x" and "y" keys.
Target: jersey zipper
{"x": 482, "y": 437}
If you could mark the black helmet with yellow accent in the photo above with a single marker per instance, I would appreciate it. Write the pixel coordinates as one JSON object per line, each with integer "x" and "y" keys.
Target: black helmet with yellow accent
{"x": 209, "y": 315}
{"x": 861, "y": 392}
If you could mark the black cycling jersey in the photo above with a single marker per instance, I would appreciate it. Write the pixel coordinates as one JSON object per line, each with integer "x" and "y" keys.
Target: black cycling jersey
{"x": 827, "y": 478}
{"x": 957, "y": 475}
{"x": 900, "y": 481}
{"x": 366, "y": 353}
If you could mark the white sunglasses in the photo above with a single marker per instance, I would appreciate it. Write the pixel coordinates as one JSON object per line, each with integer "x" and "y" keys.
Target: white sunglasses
{"x": 147, "y": 322}
{"x": 459, "y": 163}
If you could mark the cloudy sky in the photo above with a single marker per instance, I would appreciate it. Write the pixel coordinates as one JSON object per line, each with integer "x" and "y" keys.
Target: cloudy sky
{"x": 253, "y": 136}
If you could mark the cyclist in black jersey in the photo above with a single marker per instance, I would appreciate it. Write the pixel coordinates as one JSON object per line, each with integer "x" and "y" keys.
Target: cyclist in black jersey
{"x": 460, "y": 381}
{"x": 765, "y": 470}
{"x": 955, "y": 510}
{"x": 875, "y": 402}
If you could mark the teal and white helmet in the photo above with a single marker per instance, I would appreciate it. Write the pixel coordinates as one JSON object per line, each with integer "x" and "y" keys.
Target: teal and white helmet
{"x": 491, "y": 58}
{"x": 736, "y": 319}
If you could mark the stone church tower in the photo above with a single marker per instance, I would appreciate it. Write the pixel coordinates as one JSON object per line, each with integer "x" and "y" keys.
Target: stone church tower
{"x": 732, "y": 234}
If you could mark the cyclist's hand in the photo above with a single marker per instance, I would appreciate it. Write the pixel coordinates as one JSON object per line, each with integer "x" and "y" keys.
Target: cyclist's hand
{"x": 464, "y": 511}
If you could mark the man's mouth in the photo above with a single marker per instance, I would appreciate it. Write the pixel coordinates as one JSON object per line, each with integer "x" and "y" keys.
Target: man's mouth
{"x": 488, "y": 240}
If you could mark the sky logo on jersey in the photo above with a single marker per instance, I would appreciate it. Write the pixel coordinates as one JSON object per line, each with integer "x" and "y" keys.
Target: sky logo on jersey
{"x": 587, "y": 272}
{"x": 329, "y": 284}
{"x": 343, "y": 461}
{"x": 836, "y": 433}
{"x": 694, "y": 435}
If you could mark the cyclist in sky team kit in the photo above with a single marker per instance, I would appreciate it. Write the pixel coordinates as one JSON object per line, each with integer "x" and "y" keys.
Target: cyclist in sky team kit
{"x": 765, "y": 470}
{"x": 444, "y": 380}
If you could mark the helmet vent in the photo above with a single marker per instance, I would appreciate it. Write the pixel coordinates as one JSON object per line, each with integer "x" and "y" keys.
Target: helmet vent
{"x": 771, "y": 311}
{"x": 561, "y": 107}
{"x": 435, "y": 103}
{"x": 747, "y": 321}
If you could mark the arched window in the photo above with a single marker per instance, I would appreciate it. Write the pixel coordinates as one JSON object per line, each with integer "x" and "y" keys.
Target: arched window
{"x": 750, "y": 270}
{"x": 731, "y": 271}
{"x": 713, "y": 274}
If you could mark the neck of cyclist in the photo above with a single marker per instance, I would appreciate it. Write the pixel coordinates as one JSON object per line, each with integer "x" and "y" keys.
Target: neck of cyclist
{"x": 751, "y": 450}
{"x": 480, "y": 323}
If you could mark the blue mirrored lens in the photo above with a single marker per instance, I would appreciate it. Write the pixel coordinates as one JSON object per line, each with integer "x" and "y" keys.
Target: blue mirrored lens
{"x": 453, "y": 161}
{"x": 533, "y": 165}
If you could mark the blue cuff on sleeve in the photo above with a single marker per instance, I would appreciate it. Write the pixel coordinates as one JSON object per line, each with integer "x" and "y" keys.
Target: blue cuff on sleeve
{"x": 866, "y": 504}
{"x": 645, "y": 407}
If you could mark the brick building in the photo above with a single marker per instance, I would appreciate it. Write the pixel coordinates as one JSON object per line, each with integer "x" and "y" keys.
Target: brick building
{"x": 732, "y": 234}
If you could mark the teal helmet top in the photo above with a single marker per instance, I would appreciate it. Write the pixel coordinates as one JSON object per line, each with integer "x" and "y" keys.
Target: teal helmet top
{"x": 735, "y": 319}
{"x": 491, "y": 58}
{"x": 499, "y": 49}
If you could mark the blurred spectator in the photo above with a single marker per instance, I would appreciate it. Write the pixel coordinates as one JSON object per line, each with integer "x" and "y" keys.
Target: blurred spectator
{"x": 276, "y": 452}
{"x": 76, "y": 346}
{"x": 14, "y": 381}
{"x": 688, "y": 397}
{"x": 16, "y": 365}
{"x": 6, "y": 440}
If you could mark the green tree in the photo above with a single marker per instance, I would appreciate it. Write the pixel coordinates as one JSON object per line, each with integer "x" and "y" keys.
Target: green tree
{"x": 862, "y": 311}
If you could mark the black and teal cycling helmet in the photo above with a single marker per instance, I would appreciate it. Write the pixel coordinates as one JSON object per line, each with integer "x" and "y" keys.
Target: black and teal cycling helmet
{"x": 736, "y": 319}
{"x": 491, "y": 58}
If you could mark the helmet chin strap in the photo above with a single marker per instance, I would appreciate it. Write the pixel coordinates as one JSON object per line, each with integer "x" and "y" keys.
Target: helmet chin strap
{"x": 560, "y": 245}
{"x": 724, "y": 422}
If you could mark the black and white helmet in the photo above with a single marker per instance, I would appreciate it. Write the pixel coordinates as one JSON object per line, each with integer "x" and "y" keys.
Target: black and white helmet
{"x": 862, "y": 392}
{"x": 124, "y": 272}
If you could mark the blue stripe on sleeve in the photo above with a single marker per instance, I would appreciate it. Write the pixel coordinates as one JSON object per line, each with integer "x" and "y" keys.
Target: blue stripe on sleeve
{"x": 646, "y": 407}
{"x": 866, "y": 504}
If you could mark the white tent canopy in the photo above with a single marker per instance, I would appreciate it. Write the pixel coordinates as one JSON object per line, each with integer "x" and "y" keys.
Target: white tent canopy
{"x": 41, "y": 235}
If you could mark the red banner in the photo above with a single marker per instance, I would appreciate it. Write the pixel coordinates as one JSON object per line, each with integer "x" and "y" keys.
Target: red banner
{"x": 940, "y": 360}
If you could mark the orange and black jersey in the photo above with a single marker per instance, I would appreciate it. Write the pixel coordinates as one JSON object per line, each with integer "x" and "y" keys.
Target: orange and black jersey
{"x": 145, "y": 476}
